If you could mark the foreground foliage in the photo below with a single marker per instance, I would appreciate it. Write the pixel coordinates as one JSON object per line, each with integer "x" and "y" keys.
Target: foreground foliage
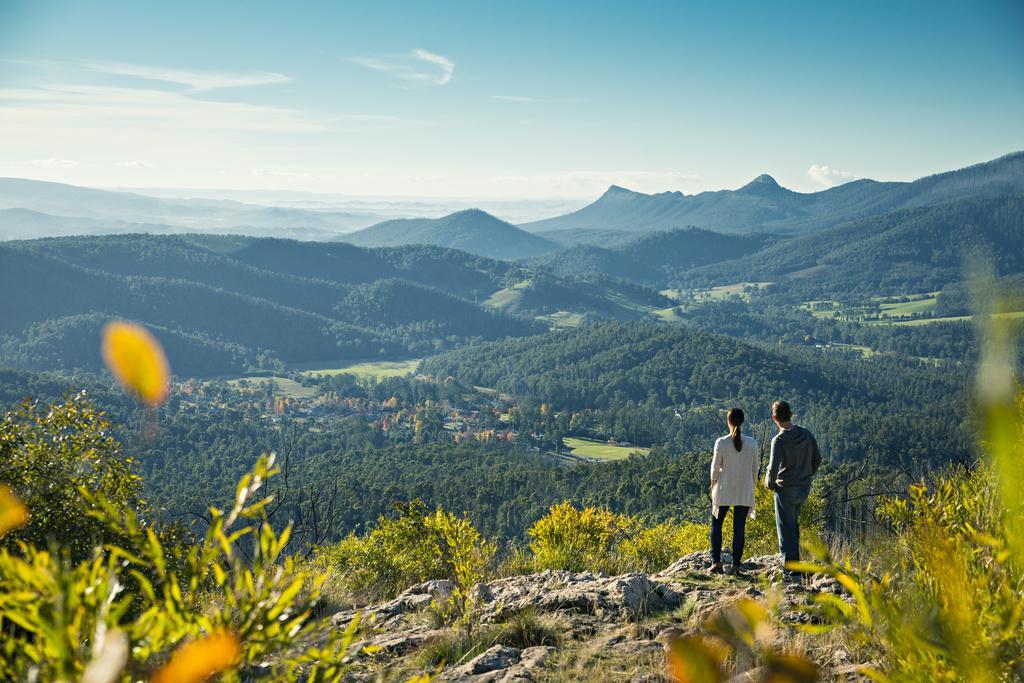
{"x": 233, "y": 599}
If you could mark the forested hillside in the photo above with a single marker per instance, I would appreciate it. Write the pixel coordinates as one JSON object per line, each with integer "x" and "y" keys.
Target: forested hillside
{"x": 225, "y": 304}
{"x": 912, "y": 250}
{"x": 474, "y": 231}
{"x": 653, "y": 259}
{"x": 883, "y": 407}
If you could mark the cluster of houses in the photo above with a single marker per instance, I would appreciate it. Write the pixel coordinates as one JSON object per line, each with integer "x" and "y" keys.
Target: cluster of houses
{"x": 483, "y": 418}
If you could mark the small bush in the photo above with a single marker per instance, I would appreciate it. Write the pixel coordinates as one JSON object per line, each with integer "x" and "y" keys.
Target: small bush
{"x": 528, "y": 629}
{"x": 655, "y": 548}
{"x": 414, "y": 547}
{"x": 575, "y": 540}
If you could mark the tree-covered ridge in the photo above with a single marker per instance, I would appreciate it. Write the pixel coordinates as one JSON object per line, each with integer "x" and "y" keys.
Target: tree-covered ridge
{"x": 913, "y": 250}
{"x": 230, "y": 303}
{"x": 653, "y": 259}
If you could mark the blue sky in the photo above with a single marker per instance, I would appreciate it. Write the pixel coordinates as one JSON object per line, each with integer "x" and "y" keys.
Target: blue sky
{"x": 476, "y": 99}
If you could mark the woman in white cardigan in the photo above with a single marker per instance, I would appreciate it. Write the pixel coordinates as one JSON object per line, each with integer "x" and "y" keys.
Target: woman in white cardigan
{"x": 733, "y": 473}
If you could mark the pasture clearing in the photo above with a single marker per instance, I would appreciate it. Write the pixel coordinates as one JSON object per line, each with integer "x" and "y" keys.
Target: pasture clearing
{"x": 376, "y": 369}
{"x": 283, "y": 386}
{"x": 600, "y": 450}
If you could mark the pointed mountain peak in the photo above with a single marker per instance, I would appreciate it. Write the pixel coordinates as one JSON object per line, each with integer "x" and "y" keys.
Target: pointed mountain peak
{"x": 763, "y": 180}
{"x": 617, "y": 191}
{"x": 762, "y": 184}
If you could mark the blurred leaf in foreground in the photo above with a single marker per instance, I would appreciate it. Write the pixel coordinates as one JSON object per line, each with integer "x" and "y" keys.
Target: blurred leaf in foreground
{"x": 695, "y": 660}
{"x": 199, "y": 660}
{"x": 137, "y": 360}
{"x": 13, "y": 512}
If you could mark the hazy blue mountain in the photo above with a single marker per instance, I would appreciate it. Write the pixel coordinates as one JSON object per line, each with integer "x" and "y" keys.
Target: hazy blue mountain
{"x": 69, "y": 202}
{"x": 918, "y": 249}
{"x": 653, "y": 259}
{"x": 763, "y": 205}
{"x": 21, "y": 224}
{"x": 475, "y": 231}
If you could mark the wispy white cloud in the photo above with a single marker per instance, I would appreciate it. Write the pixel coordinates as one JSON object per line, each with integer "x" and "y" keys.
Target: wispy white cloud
{"x": 419, "y": 66}
{"x": 826, "y": 176}
{"x": 447, "y": 66}
{"x": 135, "y": 163}
{"x": 198, "y": 80}
{"x": 91, "y": 107}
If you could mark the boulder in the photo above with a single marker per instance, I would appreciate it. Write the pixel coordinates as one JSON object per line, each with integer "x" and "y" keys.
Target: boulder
{"x": 501, "y": 664}
{"x": 611, "y": 597}
{"x": 497, "y": 657}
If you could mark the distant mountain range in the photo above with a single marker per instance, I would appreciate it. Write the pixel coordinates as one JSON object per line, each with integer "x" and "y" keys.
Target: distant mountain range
{"x": 30, "y": 209}
{"x": 475, "y": 231}
{"x": 33, "y": 208}
{"x": 763, "y": 205}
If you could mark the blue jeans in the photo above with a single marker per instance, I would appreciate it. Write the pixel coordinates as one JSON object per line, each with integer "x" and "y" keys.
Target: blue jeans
{"x": 739, "y": 533}
{"x": 788, "y": 502}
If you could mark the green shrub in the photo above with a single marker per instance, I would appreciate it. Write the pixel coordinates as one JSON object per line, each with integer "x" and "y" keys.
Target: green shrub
{"x": 596, "y": 539}
{"x": 575, "y": 540}
{"x": 655, "y": 548}
{"x": 48, "y": 456}
{"x": 416, "y": 546}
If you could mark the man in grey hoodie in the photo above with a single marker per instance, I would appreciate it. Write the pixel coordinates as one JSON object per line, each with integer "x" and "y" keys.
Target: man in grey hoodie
{"x": 794, "y": 460}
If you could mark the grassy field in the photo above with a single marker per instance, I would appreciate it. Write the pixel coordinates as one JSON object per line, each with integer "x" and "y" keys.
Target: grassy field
{"x": 285, "y": 386}
{"x": 507, "y": 298}
{"x": 718, "y": 293}
{"x": 1017, "y": 315}
{"x": 562, "y": 319}
{"x": 668, "y": 314}
{"x": 376, "y": 369}
{"x": 917, "y": 305}
{"x": 726, "y": 291}
{"x": 590, "y": 448}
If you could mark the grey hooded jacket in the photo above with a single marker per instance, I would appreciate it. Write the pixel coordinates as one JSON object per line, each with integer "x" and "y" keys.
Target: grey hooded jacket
{"x": 794, "y": 459}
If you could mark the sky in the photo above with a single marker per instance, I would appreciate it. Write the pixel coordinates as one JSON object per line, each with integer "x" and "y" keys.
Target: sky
{"x": 504, "y": 100}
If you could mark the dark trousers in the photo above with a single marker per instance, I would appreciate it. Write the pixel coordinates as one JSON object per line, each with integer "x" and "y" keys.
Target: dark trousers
{"x": 739, "y": 533}
{"x": 788, "y": 503}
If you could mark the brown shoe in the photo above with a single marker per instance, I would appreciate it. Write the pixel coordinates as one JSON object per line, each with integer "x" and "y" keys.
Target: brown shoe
{"x": 735, "y": 570}
{"x": 717, "y": 568}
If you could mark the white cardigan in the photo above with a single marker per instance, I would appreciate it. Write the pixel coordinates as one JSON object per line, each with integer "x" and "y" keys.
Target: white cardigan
{"x": 733, "y": 474}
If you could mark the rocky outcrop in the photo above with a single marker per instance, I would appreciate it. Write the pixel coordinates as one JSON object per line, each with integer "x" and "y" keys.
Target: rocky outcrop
{"x": 501, "y": 664}
{"x": 631, "y": 618}
{"x": 625, "y": 597}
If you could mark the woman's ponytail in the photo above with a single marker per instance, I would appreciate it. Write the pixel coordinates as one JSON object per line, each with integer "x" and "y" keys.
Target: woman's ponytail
{"x": 735, "y": 419}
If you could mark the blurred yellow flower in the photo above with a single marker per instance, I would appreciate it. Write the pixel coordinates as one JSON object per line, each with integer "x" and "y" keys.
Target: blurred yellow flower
{"x": 199, "y": 660}
{"x": 137, "y": 360}
{"x": 693, "y": 659}
{"x": 13, "y": 512}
